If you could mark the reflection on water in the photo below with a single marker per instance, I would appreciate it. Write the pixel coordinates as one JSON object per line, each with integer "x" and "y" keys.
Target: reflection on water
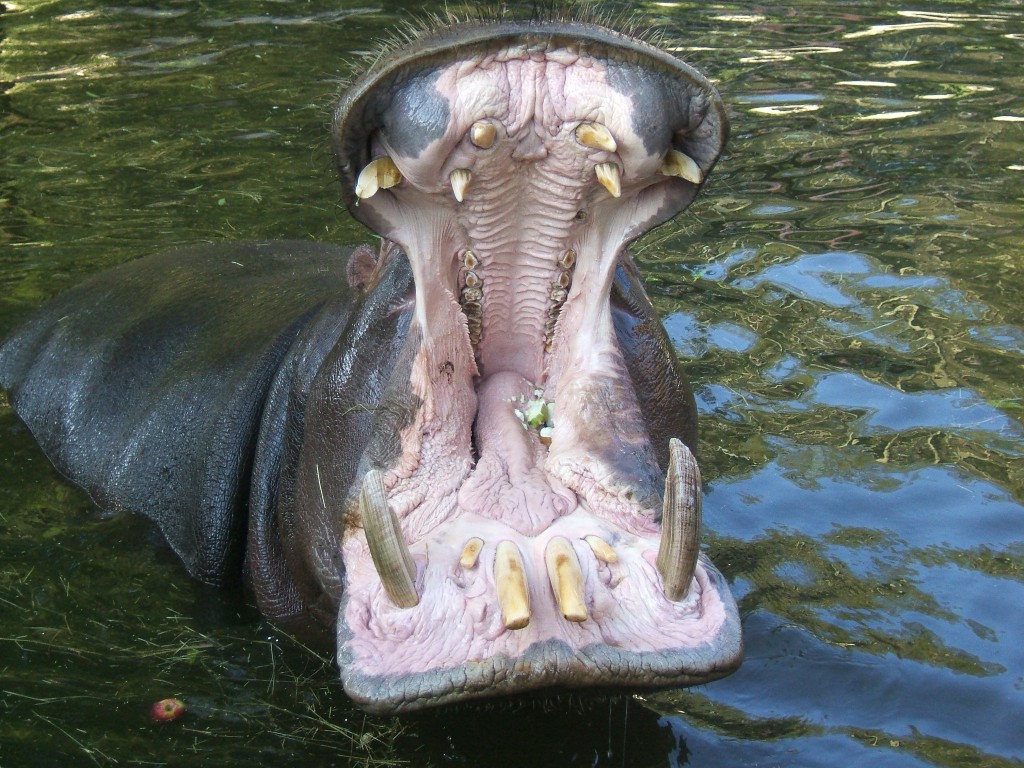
{"x": 846, "y": 296}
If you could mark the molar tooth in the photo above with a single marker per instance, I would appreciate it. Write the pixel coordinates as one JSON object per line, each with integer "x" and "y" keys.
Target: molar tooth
{"x": 471, "y": 552}
{"x": 513, "y": 592}
{"x": 482, "y": 134}
{"x": 683, "y": 166}
{"x": 608, "y": 175}
{"x": 680, "y": 522}
{"x": 568, "y": 259}
{"x": 469, "y": 259}
{"x": 566, "y": 578}
{"x": 595, "y": 136}
{"x": 471, "y": 294}
{"x": 602, "y": 549}
{"x": 390, "y": 553}
{"x": 563, "y": 280}
{"x": 460, "y": 179}
{"x": 472, "y": 279}
{"x": 381, "y": 173}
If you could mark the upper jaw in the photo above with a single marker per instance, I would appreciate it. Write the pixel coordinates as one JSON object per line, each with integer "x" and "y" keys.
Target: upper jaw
{"x": 512, "y": 164}
{"x": 408, "y": 107}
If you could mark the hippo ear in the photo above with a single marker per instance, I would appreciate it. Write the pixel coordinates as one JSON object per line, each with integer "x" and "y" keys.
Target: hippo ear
{"x": 146, "y": 385}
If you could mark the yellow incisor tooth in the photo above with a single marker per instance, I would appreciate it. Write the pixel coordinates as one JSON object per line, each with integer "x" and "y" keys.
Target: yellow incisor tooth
{"x": 460, "y": 179}
{"x": 471, "y": 552}
{"x": 608, "y": 175}
{"x": 513, "y": 592}
{"x": 595, "y": 136}
{"x": 602, "y": 549}
{"x": 483, "y": 134}
{"x": 566, "y": 578}
{"x": 683, "y": 166}
{"x": 378, "y": 174}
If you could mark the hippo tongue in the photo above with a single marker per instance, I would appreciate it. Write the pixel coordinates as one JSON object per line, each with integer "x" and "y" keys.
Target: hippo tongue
{"x": 515, "y": 541}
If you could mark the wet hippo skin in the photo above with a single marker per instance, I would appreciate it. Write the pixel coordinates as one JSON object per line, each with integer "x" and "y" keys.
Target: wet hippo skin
{"x": 466, "y": 455}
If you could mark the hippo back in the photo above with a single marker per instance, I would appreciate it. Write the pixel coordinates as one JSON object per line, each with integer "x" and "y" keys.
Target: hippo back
{"x": 146, "y": 384}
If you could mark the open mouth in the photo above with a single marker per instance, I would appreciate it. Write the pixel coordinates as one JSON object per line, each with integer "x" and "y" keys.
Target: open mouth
{"x": 527, "y": 513}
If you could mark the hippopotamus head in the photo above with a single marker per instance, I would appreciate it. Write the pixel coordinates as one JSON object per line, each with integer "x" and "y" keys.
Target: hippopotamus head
{"x": 527, "y": 512}
{"x": 470, "y": 455}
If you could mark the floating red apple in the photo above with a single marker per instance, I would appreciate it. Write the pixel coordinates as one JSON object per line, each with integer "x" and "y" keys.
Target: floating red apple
{"x": 167, "y": 710}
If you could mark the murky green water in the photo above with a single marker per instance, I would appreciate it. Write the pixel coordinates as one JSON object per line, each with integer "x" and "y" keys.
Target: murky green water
{"x": 848, "y": 293}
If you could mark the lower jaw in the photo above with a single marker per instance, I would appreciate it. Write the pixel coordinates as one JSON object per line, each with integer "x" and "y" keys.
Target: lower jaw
{"x": 454, "y": 643}
{"x": 400, "y": 663}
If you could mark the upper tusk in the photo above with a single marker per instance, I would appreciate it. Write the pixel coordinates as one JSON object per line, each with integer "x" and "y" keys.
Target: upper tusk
{"x": 566, "y": 578}
{"x": 513, "y": 591}
{"x": 482, "y": 134}
{"x": 460, "y": 179}
{"x": 595, "y": 136}
{"x": 683, "y": 166}
{"x": 378, "y": 174}
{"x": 680, "y": 521}
{"x": 608, "y": 175}
{"x": 390, "y": 553}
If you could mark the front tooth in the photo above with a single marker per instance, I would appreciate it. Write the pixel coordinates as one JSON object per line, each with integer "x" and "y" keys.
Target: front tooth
{"x": 683, "y": 166}
{"x": 390, "y": 553}
{"x": 595, "y": 136}
{"x": 460, "y": 179}
{"x": 513, "y": 592}
{"x": 602, "y": 549}
{"x": 566, "y": 578}
{"x": 680, "y": 521}
{"x": 482, "y": 134}
{"x": 608, "y": 175}
{"x": 471, "y": 552}
{"x": 378, "y": 174}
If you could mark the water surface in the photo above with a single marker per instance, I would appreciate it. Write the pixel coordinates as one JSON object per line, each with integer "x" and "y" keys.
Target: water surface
{"x": 846, "y": 295}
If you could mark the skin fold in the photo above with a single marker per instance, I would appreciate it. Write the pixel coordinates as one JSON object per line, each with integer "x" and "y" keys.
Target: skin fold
{"x": 466, "y": 455}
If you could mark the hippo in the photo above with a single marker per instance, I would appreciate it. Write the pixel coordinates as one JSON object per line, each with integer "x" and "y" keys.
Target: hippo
{"x": 466, "y": 456}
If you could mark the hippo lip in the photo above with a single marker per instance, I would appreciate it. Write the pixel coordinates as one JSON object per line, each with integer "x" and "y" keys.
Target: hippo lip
{"x": 520, "y": 534}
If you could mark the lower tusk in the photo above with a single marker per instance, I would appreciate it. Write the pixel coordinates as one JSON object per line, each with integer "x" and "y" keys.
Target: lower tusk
{"x": 460, "y": 179}
{"x": 683, "y": 166}
{"x": 566, "y": 578}
{"x": 680, "y": 521}
{"x": 608, "y": 175}
{"x": 471, "y": 552}
{"x": 378, "y": 174}
{"x": 602, "y": 549}
{"x": 513, "y": 592}
{"x": 390, "y": 553}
